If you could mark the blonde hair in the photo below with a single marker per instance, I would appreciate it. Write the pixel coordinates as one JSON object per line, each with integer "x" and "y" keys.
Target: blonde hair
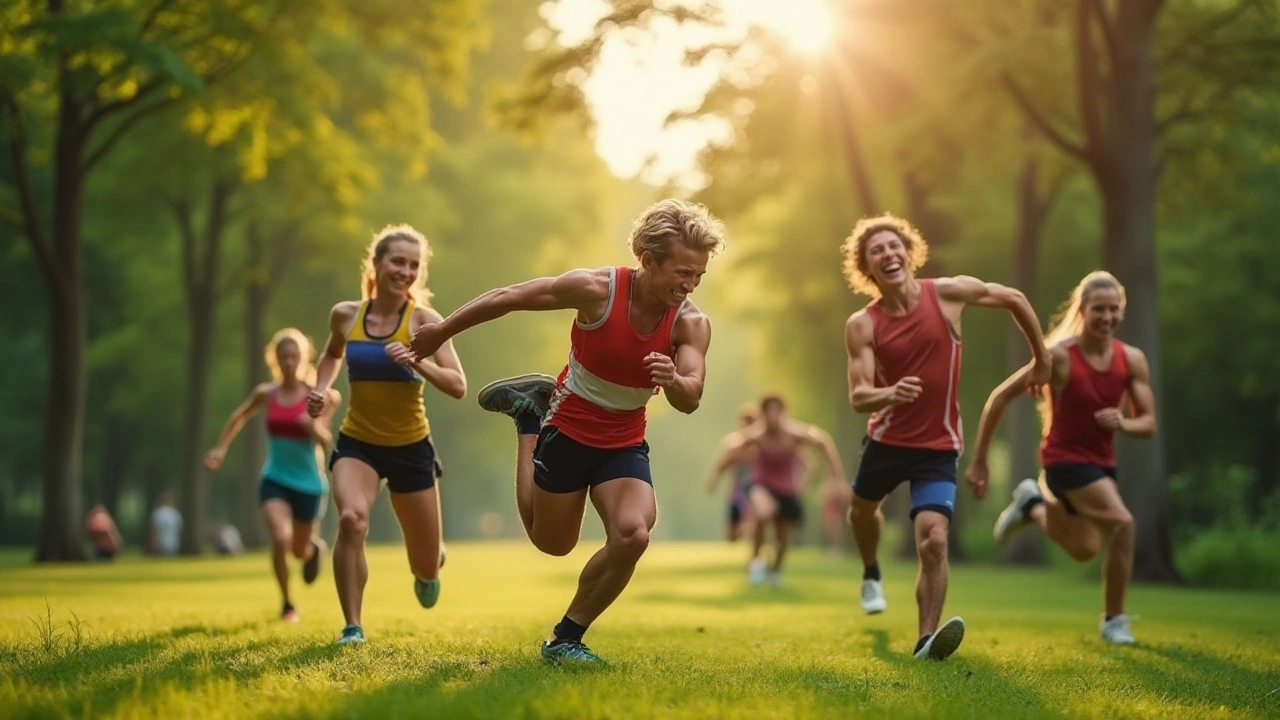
{"x": 306, "y": 352}
{"x": 857, "y": 273}
{"x": 672, "y": 221}
{"x": 1068, "y": 322}
{"x": 378, "y": 247}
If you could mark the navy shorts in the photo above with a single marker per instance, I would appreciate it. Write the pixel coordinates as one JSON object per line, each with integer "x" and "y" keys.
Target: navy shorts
{"x": 305, "y": 506}
{"x": 406, "y": 468}
{"x": 789, "y": 507}
{"x": 1073, "y": 476}
{"x": 932, "y": 474}
{"x": 564, "y": 465}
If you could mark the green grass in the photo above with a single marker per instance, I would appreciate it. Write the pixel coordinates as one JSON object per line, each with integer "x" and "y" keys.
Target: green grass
{"x": 688, "y": 639}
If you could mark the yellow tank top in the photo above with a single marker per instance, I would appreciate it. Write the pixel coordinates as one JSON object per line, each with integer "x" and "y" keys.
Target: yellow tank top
{"x": 386, "y": 405}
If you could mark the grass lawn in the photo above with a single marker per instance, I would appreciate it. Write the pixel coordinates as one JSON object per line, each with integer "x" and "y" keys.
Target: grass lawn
{"x": 689, "y": 638}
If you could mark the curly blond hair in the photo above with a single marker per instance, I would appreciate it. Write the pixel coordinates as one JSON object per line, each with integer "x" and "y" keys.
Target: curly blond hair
{"x": 672, "y": 221}
{"x": 854, "y": 249}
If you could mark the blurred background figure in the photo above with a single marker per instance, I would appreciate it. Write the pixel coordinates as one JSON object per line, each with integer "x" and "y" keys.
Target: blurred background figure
{"x": 102, "y": 532}
{"x": 166, "y": 527}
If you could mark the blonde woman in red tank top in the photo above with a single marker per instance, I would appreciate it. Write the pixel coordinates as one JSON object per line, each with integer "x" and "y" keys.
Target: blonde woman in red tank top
{"x": 904, "y": 369}
{"x": 582, "y": 435}
{"x": 1077, "y": 503}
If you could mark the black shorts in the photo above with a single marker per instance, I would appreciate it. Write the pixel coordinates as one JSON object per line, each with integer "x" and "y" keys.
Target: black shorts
{"x": 735, "y": 513}
{"x": 932, "y": 474}
{"x": 564, "y": 465}
{"x": 789, "y": 507}
{"x": 406, "y": 468}
{"x": 1073, "y": 476}
{"x": 304, "y": 506}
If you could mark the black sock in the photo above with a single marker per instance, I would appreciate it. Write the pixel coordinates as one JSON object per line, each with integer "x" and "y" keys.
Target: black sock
{"x": 1026, "y": 509}
{"x": 920, "y": 643}
{"x": 287, "y": 607}
{"x": 1109, "y": 617}
{"x": 528, "y": 423}
{"x": 568, "y": 631}
{"x": 872, "y": 571}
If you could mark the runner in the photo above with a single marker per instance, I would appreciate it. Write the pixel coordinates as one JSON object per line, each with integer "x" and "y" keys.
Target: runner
{"x": 904, "y": 369}
{"x": 735, "y": 455}
{"x": 583, "y": 435}
{"x": 385, "y": 434}
{"x": 292, "y": 491}
{"x": 1094, "y": 375}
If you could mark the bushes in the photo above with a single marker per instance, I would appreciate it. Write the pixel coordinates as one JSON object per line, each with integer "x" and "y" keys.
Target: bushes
{"x": 1219, "y": 540}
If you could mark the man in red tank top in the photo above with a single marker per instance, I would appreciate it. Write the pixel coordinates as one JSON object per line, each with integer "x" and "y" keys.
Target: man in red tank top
{"x": 777, "y": 488}
{"x": 1093, "y": 375}
{"x": 583, "y": 435}
{"x": 904, "y": 369}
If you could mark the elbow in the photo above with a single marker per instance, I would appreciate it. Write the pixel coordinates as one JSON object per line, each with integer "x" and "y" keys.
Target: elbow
{"x": 458, "y": 390}
{"x": 687, "y": 407}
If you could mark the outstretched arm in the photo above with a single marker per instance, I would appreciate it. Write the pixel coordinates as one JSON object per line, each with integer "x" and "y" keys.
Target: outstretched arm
{"x": 966, "y": 290}
{"x": 682, "y": 379}
{"x": 250, "y": 407}
{"x": 816, "y": 437}
{"x": 1016, "y": 384}
{"x": 586, "y": 291}
{"x": 730, "y": 448}
{"x": 443, "y": 370}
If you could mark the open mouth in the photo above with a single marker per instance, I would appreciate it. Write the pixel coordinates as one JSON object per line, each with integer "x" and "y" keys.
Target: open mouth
{"x": 679, "y": 295}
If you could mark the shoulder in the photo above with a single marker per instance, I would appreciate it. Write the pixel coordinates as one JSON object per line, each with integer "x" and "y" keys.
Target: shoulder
{"x": 345, "y": 310}
{"x": 263, "y": 390}
{"x": 426, "y": 314}
{"x": 859, "y": 327}
{"x": 959, "y": 288}
{"x": 592, "y": 280}
{"x": 691, "y": 316}
{"x": 1136, "y": 359}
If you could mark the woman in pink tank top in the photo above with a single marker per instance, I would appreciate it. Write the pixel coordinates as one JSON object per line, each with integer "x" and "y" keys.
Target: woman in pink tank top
{"x": 1077, "y": 503}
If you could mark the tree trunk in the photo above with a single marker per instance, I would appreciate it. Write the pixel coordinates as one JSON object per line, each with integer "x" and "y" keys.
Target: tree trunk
{"x": 121, "y": 442}
{"x": 254, "y": 437}
{"x": 1128, "y": 176}
{"x": 200, "y": 257}
{"x": 1266, "y": 456}
{"x": 61, "y": 537}
{"x": 1022, "y": 429}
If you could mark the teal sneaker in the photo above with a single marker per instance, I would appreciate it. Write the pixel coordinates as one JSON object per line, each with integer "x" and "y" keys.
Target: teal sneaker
{"x": 569, "y": 652}
{"x": 515, "y": 396}
{"x": 351, "y": 635}
{"x": 428, "y": 591}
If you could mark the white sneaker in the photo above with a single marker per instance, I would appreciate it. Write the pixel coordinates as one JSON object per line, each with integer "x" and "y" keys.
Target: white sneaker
{"x": 942, "y": 643}
{"x": 873, "y": 600}
{"x": 1013, "y": 518}
{"x": 756, "y": 572}
{"x": 1117, "y": 631}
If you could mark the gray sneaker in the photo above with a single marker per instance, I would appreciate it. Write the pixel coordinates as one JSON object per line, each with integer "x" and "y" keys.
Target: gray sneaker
{"x": 942, "y": 643}
{"x": 515, "y": 396}
{"x": 1014, "y": 517}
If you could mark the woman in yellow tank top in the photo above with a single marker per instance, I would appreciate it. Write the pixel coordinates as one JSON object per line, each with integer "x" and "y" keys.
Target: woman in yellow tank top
{"x": 385, "y": 434}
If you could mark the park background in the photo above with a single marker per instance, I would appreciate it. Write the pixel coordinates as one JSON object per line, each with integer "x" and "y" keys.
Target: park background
{"x": 178, "y": 179}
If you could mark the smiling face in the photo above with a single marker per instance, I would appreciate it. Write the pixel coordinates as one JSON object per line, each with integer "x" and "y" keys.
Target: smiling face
{"x": 675, "y": 278}
{"x": 888, "y": 260}
{"x": 1102, "y": 309}
{"x": 397, "y": 269}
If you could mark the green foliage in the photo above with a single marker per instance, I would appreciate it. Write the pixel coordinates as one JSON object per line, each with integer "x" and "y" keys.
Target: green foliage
{"x": 1233, "y": 556}
{"x": 688, "y": 639}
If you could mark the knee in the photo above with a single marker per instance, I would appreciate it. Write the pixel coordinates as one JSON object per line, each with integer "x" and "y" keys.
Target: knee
{"x": 629, "y": 542}
{"x": 1082, "y": 551}
{"x": 281, "y": 540}
{"x": 553, "y": 545}
{"x": 353, "y": 523}
{"x": 300, "y": 549}
{"x": 932, "y": 546}
{"x": 862, "y": 513}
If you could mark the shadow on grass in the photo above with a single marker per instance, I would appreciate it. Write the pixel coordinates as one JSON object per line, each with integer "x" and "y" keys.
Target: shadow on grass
{"x": 1197, "y": 677}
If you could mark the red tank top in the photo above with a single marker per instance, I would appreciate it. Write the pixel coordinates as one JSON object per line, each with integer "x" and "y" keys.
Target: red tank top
{"x": 919, "y": 344}
{"x": 776, "y": 470}
{"x": 601, "y": 394}
{"x": 1074, "y": 435}
{"x": 285, "y": 421}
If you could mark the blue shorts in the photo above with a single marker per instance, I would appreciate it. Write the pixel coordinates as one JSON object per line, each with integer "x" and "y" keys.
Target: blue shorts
{"x": 564, "y": 465}
{"x": 1073, "y": 476}
{"x": 305, "y": 506}
{"x": 932, "y": 474}
{"x": 406, "y": 468}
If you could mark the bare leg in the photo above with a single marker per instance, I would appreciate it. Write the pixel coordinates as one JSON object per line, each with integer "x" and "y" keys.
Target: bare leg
{"x": 278, "y": 518}
{"x": 931, "y": 585}
{"x": 867, "y": 521}
{"x": 782, "y": 538}
{"x": 355, "y": 488}
{"x": 1100, "y": 502}
{"x": 629, "y": 511}
{"x": 419, "y": 516}
{"x": 1075, "y": 534}
{"x": 302, "y": 534}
